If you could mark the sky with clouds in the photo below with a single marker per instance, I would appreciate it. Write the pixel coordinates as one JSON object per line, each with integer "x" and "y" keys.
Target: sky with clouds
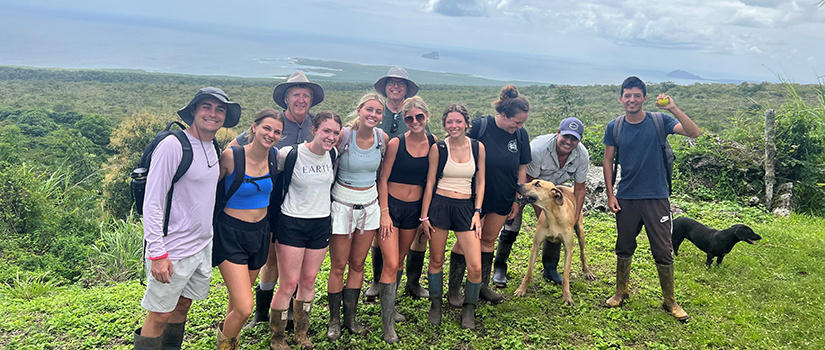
{"x": 755, "y": 40}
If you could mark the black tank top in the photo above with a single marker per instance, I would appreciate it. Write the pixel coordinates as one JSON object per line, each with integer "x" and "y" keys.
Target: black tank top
{"x": 408, "y": 169}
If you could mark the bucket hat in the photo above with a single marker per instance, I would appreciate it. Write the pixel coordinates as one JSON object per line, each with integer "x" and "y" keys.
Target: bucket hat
{"x": 233, "y": 109}
{"x": 572, "y": 126}
{"x": 400, "y": 73}
{"x": 297, "y": 78}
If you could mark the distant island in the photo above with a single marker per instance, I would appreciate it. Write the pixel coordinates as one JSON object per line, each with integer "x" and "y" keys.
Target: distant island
{"x": 432, "y": 55}
{"x": 683, "y": 75}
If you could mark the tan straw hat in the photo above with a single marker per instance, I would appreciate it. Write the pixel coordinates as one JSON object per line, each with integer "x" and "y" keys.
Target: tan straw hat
{"x": 297, "y": 79}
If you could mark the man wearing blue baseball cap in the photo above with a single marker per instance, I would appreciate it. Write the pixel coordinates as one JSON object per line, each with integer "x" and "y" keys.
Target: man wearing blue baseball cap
{"x": 557, "y": 158}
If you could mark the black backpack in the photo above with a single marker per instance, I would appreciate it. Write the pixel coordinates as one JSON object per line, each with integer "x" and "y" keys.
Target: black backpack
{"x": 239, "y": 161}
{"x": 667, "y": 151}
{"x": 442, "y": 161}
{"x": 138, "y": 183}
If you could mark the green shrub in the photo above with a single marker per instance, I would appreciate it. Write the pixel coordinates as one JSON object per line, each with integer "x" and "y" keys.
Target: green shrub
{"x": 30, "y": 287}
{"x": 117, "y": 256}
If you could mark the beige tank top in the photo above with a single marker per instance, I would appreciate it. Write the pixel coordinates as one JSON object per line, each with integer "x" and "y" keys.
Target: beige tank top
{"x": 457, "y": 177}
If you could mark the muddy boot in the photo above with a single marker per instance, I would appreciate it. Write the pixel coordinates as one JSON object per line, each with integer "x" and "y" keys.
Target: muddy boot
{"x": 277, "y": 324}
{"x": 622, "y": 279}
{"x": 398, "y": 317}
{"x": 224, "y": 342}
{"x": 334, "y": 328}
{"x": 669, "y": 303}
{"x": 144, "y": 343}
{"x": 377, "y": 266}
{"x": 468, "y": 310}
{"x": 387, "y": 294}
{"x": 262, "y": 300}
{"x": 302, "y": 312}
{"x": 415, "y": 262}
{"x": 505, "y": 245}
{"x": 456, "y": 275}
{"x": 172, "y": 337}
{"x": 486, "y": 293}
{"x": 350, "y": 309}
{"x": 435, "y": 281}
{"x": 550, "y": 259}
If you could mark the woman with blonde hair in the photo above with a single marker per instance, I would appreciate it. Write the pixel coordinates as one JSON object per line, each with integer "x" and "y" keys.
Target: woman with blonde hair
{"x": 356, "y": 215}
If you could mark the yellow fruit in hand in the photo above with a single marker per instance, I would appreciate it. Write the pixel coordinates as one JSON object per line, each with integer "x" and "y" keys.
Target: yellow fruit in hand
{"x": 663, "y": 101}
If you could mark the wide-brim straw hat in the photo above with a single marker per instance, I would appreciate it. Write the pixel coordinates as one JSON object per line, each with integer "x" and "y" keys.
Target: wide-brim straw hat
{"x": 233, "y": 109}
{"x": 297, "y": 78}
{"x": 400, "y": 73}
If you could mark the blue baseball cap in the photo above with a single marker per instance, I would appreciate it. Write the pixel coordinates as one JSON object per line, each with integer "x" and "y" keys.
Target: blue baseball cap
{"x": 572, "y": 126}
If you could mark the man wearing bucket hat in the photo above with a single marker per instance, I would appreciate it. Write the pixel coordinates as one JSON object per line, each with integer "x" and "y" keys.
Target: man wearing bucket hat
{"x": 179, "y": 261}
{"x": 296, "y": 96}
{"x": 396, "y": 86}
{"x": 557, "y": 158}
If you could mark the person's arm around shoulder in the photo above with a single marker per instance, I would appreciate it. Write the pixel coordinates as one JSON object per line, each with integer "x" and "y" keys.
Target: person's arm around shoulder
{"x": 480, "y": 183}
{"x": 227, "y": 164}
{"x": 387, "y": 163}
{"x": 428, "y": 192}
{"x": 686, "y": 126}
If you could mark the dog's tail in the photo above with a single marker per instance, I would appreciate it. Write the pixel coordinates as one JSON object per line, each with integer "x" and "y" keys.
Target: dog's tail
{"x": 678, "y": 235}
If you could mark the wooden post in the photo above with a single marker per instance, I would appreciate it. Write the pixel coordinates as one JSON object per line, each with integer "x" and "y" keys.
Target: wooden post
{"x": 770, "y": 155}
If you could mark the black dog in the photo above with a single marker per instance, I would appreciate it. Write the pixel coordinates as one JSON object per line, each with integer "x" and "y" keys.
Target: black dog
{"x": 711, "y": 241}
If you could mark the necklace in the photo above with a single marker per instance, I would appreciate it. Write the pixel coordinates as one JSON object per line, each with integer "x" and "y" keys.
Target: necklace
{"x": 203, "y": 148}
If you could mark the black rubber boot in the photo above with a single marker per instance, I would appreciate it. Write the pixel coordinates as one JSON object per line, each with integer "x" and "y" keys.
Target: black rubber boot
{"x": 486, "y": 293}
{"x": 550, "y": 259}
{"x": 262, "y": 300}
{"x": 387, "y": 294}
{"x": 334, "y": 328}
{"x": 456, "y": 275}
{"x": 377, "y": 266}
{"x": 415, "y": 262}
{"x": 144, "y": 343}
{"x": 468, "y": 310}
{"x": 398, "y": 317}
{"x": 350, "y": 310}
{"x": 172, "y": 337}
{"x": 436, "y": 286}
{"x": 505, "y": 245}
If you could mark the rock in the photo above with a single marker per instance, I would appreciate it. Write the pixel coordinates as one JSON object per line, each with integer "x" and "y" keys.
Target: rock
{"x": 754, "y": 201}
{"x": 783, "y": 200}
{"x": 596, "y": 196}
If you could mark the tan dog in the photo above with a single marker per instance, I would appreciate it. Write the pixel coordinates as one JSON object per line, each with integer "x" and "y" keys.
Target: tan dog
{"x": 555, "y": 223}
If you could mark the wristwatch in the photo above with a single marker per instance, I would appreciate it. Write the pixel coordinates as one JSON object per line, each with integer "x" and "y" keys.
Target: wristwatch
{"x": 477, "y": 210}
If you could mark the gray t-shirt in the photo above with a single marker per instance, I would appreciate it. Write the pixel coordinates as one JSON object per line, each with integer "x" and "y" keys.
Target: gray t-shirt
{"x": 545, "y": 163}
{"x": 294, "y": 133}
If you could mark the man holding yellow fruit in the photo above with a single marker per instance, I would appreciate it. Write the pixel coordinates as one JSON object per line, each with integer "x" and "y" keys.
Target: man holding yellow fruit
{"x": 643, "y": 192}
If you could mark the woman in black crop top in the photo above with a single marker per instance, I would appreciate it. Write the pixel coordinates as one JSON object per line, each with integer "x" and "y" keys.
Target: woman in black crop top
{"x": 400, "y": 189}
{"x": 241, "y": 240}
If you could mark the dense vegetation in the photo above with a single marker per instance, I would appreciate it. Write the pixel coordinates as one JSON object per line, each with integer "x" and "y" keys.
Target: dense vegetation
{"x": 68, "y": 140}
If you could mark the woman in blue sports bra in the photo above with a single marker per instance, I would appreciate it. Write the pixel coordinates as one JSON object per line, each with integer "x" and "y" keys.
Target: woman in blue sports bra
{"x": 241, "y": 241}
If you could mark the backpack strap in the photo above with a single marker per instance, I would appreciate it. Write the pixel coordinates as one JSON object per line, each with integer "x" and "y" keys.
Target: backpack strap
{"x": 272, "y": 159}
{"x": 430, "y": 139}
{"x": 667, "y": 150}
{"x": 185, "y": 162}
{"x": 474, "y": 149}
{"x": 381, "y": 145}
{"x": 617, "y": 132}
{"x": 239, "y": 161}
{"x": 442, "y": 160}
{"x": 289, "y": 167}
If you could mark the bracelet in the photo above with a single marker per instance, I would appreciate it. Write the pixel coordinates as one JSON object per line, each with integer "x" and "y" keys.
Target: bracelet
{"x": 423, "y": 219}
{"x": 164, "y": 256}
{"x": 387, "y": 208}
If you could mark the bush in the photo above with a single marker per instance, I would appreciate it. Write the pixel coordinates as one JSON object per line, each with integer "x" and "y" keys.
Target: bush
{"x": 117, "y": 256}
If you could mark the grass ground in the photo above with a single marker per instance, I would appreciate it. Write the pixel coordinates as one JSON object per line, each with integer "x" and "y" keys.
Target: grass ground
{"x": 764, "y": 296}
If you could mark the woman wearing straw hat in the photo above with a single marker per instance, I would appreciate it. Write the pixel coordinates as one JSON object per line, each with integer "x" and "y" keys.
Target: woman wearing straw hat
{"x": 396, "y": 86}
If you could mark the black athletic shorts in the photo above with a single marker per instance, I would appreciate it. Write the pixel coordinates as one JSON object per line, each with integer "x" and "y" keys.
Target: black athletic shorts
{"x": 404, "y": 215}
{"x": 304, "y": 233}
{"x": 451, "y": 214}
{"x": 240, "y": 242}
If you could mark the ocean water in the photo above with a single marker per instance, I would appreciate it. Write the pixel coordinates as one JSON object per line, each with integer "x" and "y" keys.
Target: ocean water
{"x": 43, "y": 39}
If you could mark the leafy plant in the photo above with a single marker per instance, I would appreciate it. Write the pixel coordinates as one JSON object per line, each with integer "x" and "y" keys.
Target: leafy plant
{"x": 117, "y": 256}
{"x": 30, "y": 287}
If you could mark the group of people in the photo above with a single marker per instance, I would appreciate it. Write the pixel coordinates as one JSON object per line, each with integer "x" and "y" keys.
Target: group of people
{"x": 299, "y": 185}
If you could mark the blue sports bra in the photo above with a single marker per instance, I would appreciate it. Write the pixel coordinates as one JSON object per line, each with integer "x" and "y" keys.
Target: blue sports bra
{"x": 253, "y": 193}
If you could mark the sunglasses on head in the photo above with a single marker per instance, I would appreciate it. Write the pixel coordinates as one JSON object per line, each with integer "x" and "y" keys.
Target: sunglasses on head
{"x": 419, "y": 117}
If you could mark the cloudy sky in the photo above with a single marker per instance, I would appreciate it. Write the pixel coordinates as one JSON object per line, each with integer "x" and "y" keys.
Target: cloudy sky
{"x": 756, "y": 40}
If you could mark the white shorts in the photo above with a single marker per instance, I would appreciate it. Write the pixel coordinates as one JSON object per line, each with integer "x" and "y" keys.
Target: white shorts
{"x": 346, "y": 219}
{"x": 190, "y": 279}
